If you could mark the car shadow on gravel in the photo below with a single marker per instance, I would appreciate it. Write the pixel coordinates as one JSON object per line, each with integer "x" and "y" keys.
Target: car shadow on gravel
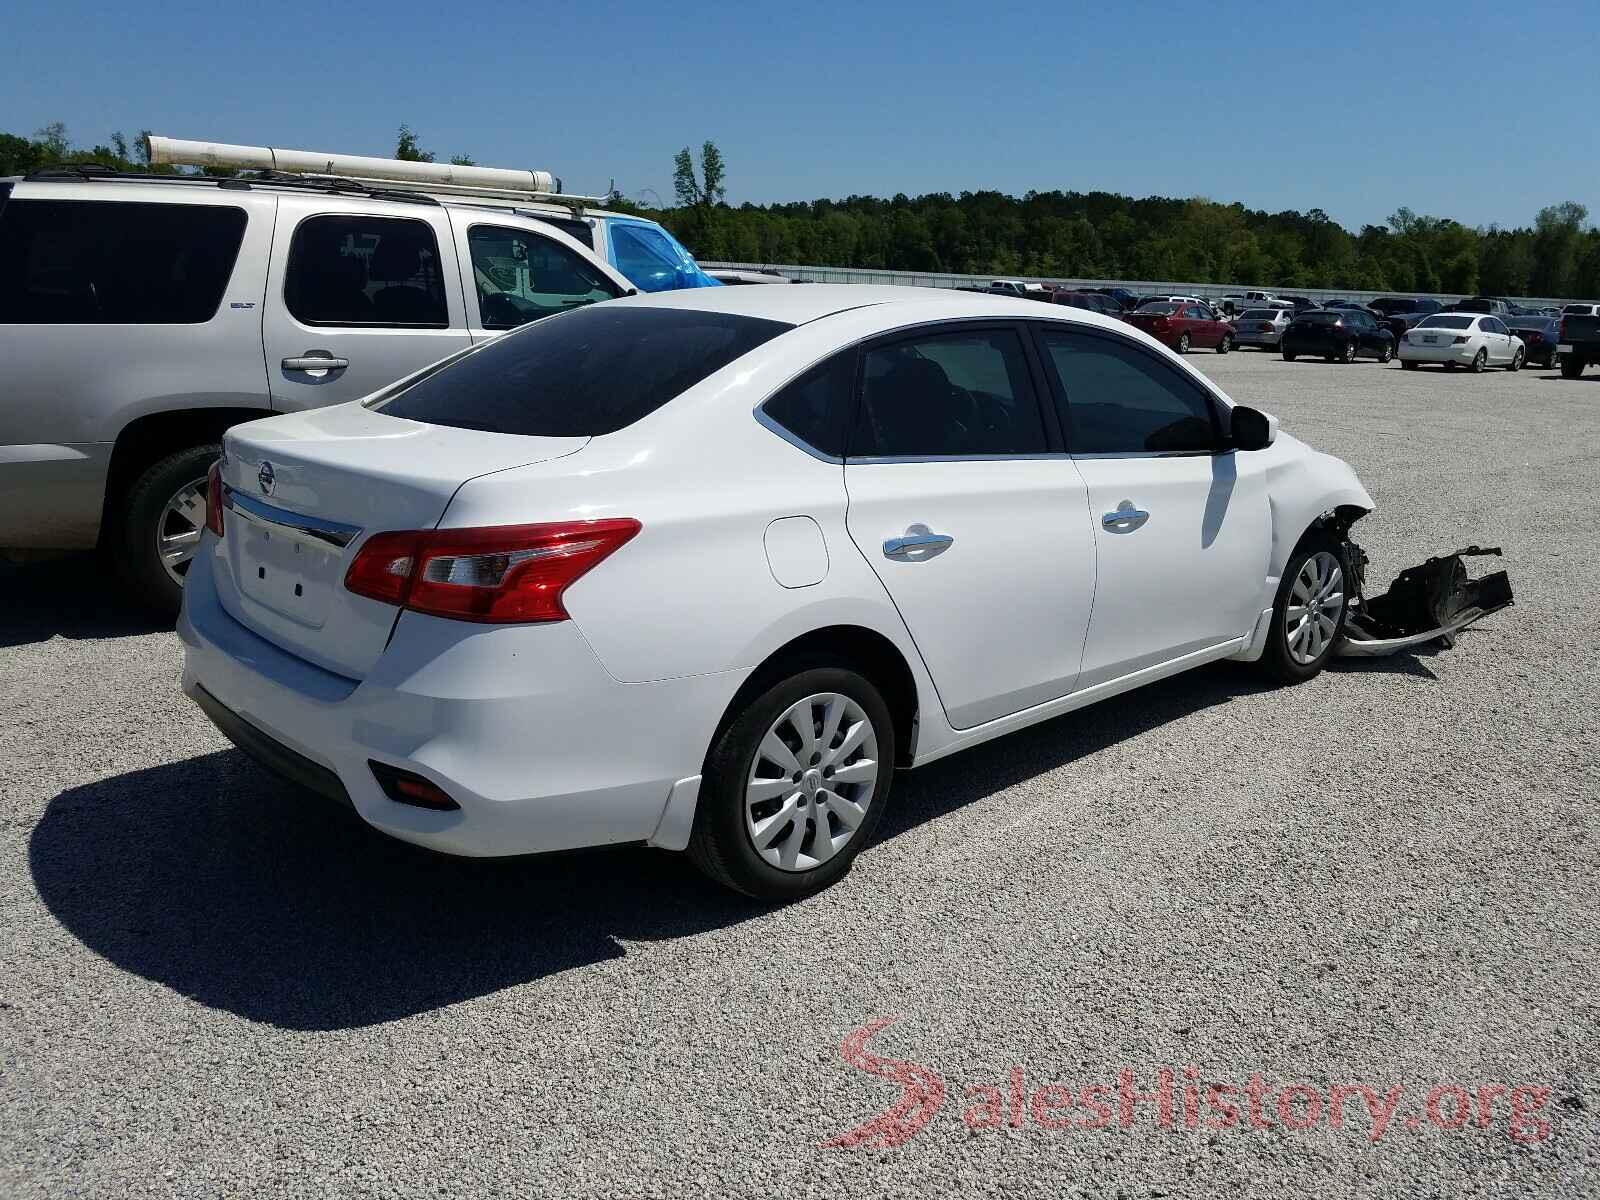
{"x": 218, "y": 880}
{"x": 72, "y": 597}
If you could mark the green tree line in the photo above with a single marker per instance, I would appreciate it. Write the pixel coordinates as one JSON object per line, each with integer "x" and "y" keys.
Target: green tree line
{"x": 1066, "y": 235}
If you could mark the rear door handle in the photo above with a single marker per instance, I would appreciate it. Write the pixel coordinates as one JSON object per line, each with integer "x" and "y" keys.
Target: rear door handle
{"x": 315, "y": 362}
{"x": 918, "y": 545}
{"x": 1126, "y": 519}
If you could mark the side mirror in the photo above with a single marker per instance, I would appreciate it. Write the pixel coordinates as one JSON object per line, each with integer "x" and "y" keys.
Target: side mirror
{"x": 1252, "y": 429}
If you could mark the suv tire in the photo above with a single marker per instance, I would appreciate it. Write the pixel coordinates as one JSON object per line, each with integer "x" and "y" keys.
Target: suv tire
{"x": 144, "y": 518}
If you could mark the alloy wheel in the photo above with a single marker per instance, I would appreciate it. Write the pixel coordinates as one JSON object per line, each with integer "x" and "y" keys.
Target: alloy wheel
{"x": 812, "y": 782}
{"x": 1311, "y": 618}
{"x": 178, "y": 530}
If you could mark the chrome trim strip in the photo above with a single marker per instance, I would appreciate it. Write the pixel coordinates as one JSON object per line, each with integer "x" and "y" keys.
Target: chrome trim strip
{"x": 314, "y": 530}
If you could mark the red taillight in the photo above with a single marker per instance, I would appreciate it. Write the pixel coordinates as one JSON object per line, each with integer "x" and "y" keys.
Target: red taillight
{"x": 1562, "y": 332}
{"x": 502, "y": 574}
{"x": 1535, "y": 336}
{"x": 214, "y": 498}
{"x": 1461, "y": 339}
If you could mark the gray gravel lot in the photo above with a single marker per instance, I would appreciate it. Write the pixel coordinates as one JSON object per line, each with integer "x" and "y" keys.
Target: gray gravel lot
{"x": 213, "y": 985}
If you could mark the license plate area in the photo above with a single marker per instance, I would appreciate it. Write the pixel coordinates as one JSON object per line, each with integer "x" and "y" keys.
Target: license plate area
{"x": 286, "y": 563}
{"x": 1430, "y": 339}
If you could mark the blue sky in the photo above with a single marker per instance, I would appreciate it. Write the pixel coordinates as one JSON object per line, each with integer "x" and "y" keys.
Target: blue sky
{"x": 822, "y": 99}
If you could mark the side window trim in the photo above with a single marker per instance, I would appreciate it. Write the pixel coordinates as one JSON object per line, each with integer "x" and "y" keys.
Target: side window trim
{"x": 1058, "y": 393}
{"x": 912, "y": 333}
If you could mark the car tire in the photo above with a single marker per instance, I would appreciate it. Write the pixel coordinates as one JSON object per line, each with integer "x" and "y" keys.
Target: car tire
{"x": 1571, "y": 367}
{"x": 732, "y": 805}
{"x": 1348, "y": 354}
{"x": 1291, "y": 654}
{"x": 1225, "y": 344}
{"x": 1408, "y": 365}
{"x": 1289, "y": 357}
{"x": 1479, "y": 362}
{"x": 1386, "y": 354}
{"x": 1183, "y": 343}
{"x": 150, "y": 512}
{"x": 1516, "y": 361}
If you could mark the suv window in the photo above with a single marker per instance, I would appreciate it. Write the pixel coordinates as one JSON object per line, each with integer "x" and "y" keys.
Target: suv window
{"x": 521, "y": 276}
{"x": 373, "y": 271}
{"x": 585, "y": 373}
{"x": 574, "y": 227}
{"x": 96, "y": 262}
{"x": 815, "y": 408}
{"x": 646, "y": 256}
{"x": 1121, "y": 399}
{"x": 948, "y": 395}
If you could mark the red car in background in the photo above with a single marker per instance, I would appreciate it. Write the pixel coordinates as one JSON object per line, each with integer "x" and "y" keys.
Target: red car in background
{"x": 1183, "y": 326}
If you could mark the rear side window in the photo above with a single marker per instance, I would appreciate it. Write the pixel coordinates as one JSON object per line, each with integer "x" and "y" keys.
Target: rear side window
{"x": 571, "y": 226}
{"x": 815, "y": 408}
{"x": 586, "y": 373}
{"x": 948, "y": 395}
{"x": 93, "y": 262}
{"x": 520, "y": 276}
{"x": 371, "y": 271}
{"x": 1122, "y": 399}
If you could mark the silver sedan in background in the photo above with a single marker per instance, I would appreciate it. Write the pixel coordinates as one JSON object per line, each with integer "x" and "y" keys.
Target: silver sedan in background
{"x": 1261, "y": 326}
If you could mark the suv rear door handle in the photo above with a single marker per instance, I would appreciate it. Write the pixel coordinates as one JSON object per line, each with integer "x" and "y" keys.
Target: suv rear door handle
{"x": 315, "y": 362}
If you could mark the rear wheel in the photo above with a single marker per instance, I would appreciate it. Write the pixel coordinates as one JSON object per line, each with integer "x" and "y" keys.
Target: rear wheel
{"x": 1571, "y": 367}
{"x": 1516, "y": 361}
{"x": 1225, "y": 344}
{"x": 1288, "y": 356}
{"x": 163, "y": 515}
{"x": 1308, "y": 615}
{"x": 1408, "y": 365}
{"x": 1385, "y": 354}
{"x": 1183, "y": 343}
{"x": 1480, "y": 361}
{"x": 795, "y": 785}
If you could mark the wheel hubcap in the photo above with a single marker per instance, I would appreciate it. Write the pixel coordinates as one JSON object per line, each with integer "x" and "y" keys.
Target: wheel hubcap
{"x": 178, "y": 530}
{"x": 1311, "y": 617}
{"x": 811, "y": 782}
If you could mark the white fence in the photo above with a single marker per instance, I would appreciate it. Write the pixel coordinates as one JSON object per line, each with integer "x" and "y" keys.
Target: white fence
{"x": 1144, "y": 287}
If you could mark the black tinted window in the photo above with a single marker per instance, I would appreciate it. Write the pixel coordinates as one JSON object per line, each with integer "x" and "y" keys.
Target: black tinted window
{"x": 1121, "y": 399}
{"x": 948, "y": 395}
{"x": 520, "y": 276}
{"x": 571, "y": 226}
{"x": 379, "y": 271}
{"x": 816, "y": 407}
{"x": 69, "y": 262}
{"x": 585, "y": 373}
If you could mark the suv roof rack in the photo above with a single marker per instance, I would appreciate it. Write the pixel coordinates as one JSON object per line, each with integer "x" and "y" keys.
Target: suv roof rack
{"x": 91, "y": 171}
{"x": 500, "y": 187}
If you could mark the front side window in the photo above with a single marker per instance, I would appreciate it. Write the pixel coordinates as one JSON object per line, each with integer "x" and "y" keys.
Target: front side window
{"x": 373, "y": 271}
{"x": 948, "y": 395}
{"x": 585, "y": 373}
{"x": 521, "y": 277}
{"x": 651, "y": 260}
{"x": 1121, "y": 399}
{"x": 94, "y": 262}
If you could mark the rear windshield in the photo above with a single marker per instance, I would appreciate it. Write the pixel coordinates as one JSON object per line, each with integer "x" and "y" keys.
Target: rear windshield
{"x": 1261, "y": 314}
{"x": 1159, "y": 306}
{"x": 1444, "y": 321}
{"x": 584, "y": 373}
{"x": 1320, "y": 318}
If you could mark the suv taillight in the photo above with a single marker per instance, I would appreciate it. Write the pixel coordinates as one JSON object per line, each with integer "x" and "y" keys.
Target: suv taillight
{"x": 214, "y": 498}
{"x": 497, "y": 574}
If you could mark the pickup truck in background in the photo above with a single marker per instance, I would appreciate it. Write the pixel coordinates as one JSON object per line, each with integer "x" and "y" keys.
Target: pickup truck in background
{"x": 1580, "y": 343}
{"x": 1237, "y": 304}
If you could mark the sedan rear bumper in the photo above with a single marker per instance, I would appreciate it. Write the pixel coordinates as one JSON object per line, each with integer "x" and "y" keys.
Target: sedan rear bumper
{"x": 1461, "y": 355}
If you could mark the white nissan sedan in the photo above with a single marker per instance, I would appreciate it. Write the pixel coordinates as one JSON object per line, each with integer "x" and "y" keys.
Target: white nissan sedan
{"x": 1462, "y": 339}
{"x": 701, "y": 569}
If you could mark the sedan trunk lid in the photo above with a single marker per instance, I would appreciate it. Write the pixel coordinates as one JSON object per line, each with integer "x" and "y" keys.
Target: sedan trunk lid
{"x": 302, "y": 493}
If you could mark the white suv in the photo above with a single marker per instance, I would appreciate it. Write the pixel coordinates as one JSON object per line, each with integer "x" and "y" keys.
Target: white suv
{"x": 707, "y": 589}
{"x": 142, "y": 315}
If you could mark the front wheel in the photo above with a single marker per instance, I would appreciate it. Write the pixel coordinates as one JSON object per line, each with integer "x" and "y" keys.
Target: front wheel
{"x": 795, "y": 785}
{"x": 1225, "y": 344}
{"x": 1408, "y": 364}
{"x": 1348, "y": 354}
{"x": 1571, "y": 367}
{"x": 1308, "y": 615}
{"x": 162, "y": 517}
{"x": 1385, "y": 354}
{"x": 1289, "y": 356}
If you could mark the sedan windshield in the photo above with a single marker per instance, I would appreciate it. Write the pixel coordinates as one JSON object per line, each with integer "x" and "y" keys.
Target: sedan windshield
{"x": 1445, "y": 321}
{"x": 588, "y": 372}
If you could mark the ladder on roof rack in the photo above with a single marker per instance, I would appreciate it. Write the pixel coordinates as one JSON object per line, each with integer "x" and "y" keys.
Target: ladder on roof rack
{"x": 496, "y": 186}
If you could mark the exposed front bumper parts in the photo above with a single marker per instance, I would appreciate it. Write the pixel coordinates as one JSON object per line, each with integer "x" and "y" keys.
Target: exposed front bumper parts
{"x": 1430, "y": 602}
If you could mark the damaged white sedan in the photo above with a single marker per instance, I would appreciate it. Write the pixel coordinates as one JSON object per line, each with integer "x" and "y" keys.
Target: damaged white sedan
{"x": 701, "y": 569}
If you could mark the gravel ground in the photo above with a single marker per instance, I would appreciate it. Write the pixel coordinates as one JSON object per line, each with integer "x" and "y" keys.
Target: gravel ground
{"x": 213, "y": 985}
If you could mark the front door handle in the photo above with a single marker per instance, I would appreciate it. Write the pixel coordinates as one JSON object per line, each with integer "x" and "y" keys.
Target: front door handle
{"x": 1126, "y": 519}
{"x": 918, "y": 545}
{"x": 315, "y": 362}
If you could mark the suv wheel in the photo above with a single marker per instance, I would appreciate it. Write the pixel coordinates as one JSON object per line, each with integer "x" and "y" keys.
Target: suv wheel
{"x": 163, "y": 515}
{"x": 795, "y": 785}
{"x": 1308, "y": 616}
